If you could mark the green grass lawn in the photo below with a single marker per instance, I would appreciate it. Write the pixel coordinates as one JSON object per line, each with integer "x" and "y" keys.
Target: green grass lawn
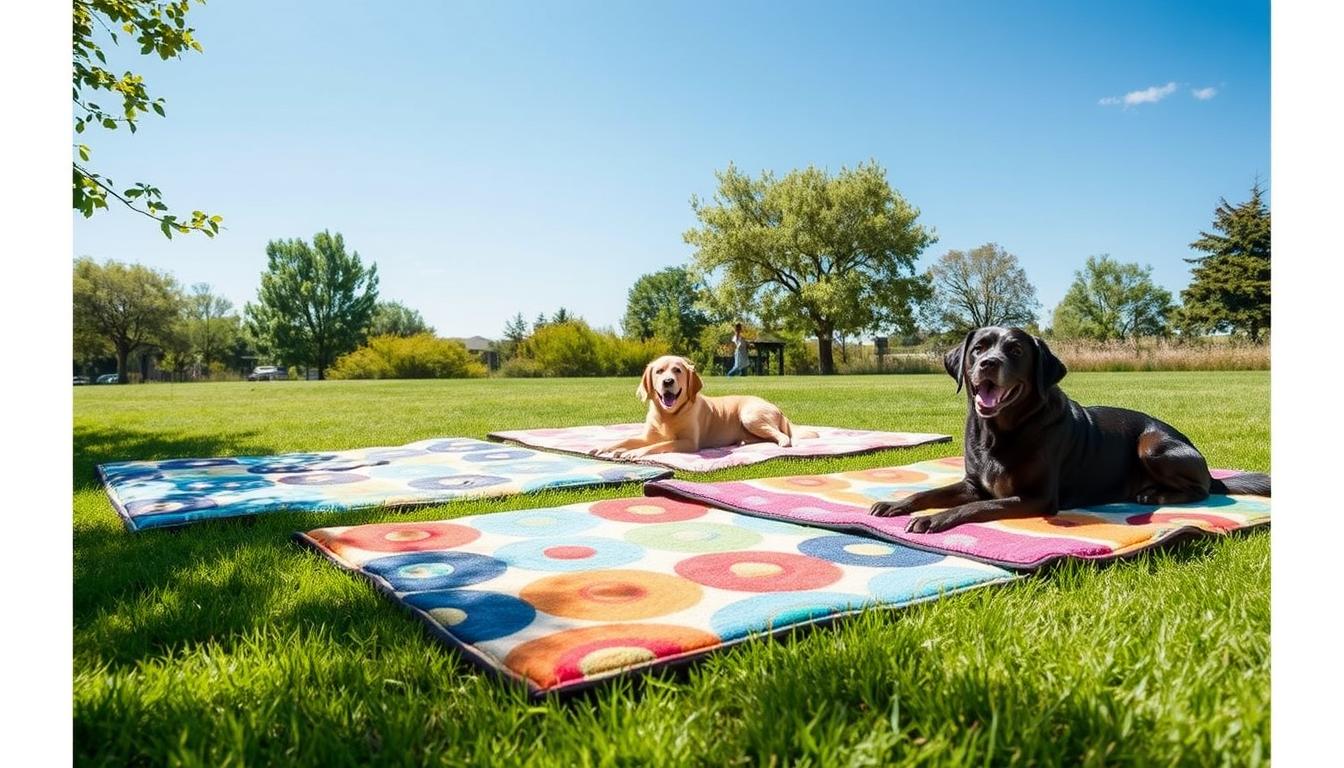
{"x": 225, "y": 644}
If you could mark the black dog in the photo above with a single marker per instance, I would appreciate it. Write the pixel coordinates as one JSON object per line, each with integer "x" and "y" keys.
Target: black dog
{"x": 1032, "y": 451}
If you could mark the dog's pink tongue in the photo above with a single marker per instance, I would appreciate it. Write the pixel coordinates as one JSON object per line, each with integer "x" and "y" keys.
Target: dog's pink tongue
{"x": 988, "y": 395}
{"x": 669, "y": 399}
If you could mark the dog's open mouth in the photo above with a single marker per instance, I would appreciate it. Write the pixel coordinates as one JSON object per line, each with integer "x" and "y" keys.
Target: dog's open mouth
{"x": 669, "y": 398}
{"x": 990, "y": 397}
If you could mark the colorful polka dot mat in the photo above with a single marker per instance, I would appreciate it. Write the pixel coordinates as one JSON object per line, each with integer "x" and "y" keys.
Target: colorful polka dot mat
{"x": 156, "y": 494}
{"x": 841, "y": 501}
{"x": 561, "y": 598}
{"x": 830, "y": 441}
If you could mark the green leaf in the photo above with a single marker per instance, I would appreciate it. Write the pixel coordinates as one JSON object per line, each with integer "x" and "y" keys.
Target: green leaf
{"x": 84, "y": 152}
{"x": 158, "y": 108}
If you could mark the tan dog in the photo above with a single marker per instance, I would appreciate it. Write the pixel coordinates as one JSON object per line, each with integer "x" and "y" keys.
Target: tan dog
{"x": 681, "y": 420}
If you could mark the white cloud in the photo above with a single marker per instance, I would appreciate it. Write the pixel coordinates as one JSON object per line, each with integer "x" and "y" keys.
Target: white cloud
{"x": 1150, "y": 95}
{"x": 1204, "y": 94}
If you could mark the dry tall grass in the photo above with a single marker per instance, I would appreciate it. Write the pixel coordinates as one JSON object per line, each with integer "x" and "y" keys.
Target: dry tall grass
{"x": 1079, "y": 356}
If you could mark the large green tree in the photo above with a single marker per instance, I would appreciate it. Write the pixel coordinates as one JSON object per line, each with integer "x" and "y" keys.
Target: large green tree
{"x": 315, "y": 302}
{"x": 980, "y": 287}
{"x": 1229, "y": 290}
{"x": 665, "y": 304}
{"x": 392, "y": 318}
{"x": 129, "y": 305}
{"x": 1111, "y": 300}
{"x": 828, "y": 253}
{"x": 210, "y": 325}
{"x": 156, "y": 27}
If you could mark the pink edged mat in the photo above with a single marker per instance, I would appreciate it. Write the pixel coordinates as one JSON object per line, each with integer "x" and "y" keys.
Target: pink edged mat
{"x": 841, "y": 501}
{"x": 830, "y": 441}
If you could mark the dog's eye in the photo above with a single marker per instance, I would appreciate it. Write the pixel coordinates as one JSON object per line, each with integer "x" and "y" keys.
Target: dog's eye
{"x": 676, "y": 370}
{"x": 1015, "y": 350}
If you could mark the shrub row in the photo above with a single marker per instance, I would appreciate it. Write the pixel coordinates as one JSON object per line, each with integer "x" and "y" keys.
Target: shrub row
{"x": 574, "y": 349}
{"x": 423, "y": 356}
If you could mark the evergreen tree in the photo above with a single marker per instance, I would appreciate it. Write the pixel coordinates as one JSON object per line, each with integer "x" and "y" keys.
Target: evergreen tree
{"x": 1230, "y": 287}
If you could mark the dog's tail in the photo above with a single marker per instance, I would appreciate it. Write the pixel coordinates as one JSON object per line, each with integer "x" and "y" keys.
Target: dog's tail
{"x": 798, "y": 431}
{"x": 1251, "y": 484}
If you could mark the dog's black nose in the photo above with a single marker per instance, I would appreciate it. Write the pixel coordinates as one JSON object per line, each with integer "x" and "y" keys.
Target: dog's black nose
{"x": 669, "y": 381}
{"x": 988, "y": 363}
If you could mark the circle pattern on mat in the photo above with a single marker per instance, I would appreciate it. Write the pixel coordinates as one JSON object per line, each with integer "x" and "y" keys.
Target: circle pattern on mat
{"x": 474, "y": 615}
{"x": 531, "y": 523}
{"x": 218, "y": 484}
{"x": 195, "y": 463}
{"x": 612, "y": 595}
{"x": 577, "y": 654}
{"x": 393, "y": 453}
{"x": 766, "y": 525}
{"x": 405, "y": 537}
{"x": 125, "y": 473}
{"x": 169, "y": 505}
{"x": 457, "y": 446}
{"x": 693, "y": 537}
{"x": 1181, "y": 518}
{"x": 763, "y": 613}
{"x": 322, "y": 478}
{"x": 456, "y": 482}
{"x": 652, "y": 509}
{"x": 532, "y": 467}
{"x": 500, "y": 454}
{"x": 804, "y": 483}
{"x": 759, "y": 571}
{"x": 578, "y": 553}
{"x": 857, "y": 550}
{"x": 302, "y": 463}
{"x": 421, "y": 571}
{"x": 889, "y": 475}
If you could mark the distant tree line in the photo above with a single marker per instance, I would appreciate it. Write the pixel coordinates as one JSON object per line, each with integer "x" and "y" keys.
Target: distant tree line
{"x": 317, "y": 308}
{"x": 810, "y": 255}
{"x": 833, "y": 257}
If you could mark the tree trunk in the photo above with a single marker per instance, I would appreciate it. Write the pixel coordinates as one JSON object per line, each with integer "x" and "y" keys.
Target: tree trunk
{"x": 123, "y": 352}
{"x": 824, "y": 356}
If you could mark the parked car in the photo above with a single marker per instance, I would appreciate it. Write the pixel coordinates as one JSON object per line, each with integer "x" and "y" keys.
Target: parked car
{"x": 268, "y": 373}
{"x": 107, "y": 378}
{"x": 81, "y": 380}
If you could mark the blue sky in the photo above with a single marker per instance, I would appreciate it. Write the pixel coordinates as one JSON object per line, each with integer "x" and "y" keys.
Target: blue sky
{"x": 503, "y": 157}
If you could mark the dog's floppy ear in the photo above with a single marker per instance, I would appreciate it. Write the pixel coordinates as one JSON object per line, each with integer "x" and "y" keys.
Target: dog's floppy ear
{"x": 1050, "y": 370}
{"x": 693, "y": 382}
{"x": 645, "y": 389}
{"x": 952, "y": 361}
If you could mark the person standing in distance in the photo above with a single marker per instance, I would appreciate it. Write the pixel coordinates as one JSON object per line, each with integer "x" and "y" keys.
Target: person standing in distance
{"x": 740, "y": 359}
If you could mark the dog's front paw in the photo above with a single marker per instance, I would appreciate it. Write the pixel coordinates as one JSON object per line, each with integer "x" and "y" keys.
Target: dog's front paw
{"x": 887, "y": 509}
{"x": 934, "y": 523}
